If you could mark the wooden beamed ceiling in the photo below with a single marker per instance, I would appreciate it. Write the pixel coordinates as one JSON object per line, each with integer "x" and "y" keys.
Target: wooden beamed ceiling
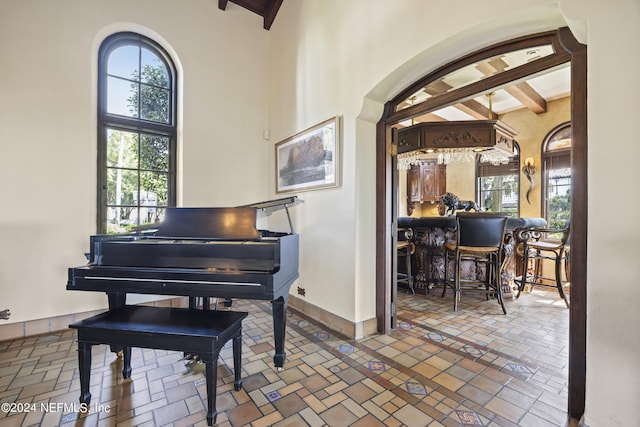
{"x": 268, "y": 9}
{"x": 523, "y": 94}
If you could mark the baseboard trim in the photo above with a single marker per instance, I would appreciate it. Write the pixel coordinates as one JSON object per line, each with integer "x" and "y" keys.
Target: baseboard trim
{"x": 344, "y": 327}
{"x": 20, "y": 330}
{"x": 332, "y": 321}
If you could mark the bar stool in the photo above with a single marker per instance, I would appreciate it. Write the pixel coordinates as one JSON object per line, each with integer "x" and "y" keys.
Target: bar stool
{"x": 479, "y": 239}
{"x": 406, "y": 248}
{"x": 539, "y": 246}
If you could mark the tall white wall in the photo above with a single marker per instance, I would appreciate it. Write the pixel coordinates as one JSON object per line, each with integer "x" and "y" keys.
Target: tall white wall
{"x": 336, "y": 57}
{"x": 48, "y": 57}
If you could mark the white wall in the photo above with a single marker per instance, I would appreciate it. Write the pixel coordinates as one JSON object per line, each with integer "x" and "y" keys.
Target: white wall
{"x": 334, "y": 57}
{"x": 48, "y": 54}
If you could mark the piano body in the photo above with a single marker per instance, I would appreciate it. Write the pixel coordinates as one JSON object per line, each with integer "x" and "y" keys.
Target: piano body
{"x": 198, "y": 252}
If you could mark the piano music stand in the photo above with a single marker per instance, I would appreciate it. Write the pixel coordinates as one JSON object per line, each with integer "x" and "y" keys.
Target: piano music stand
{"x": 272, "y": 205}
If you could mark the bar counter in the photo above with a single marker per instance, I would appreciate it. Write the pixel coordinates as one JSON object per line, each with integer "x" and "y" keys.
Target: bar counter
{"x": 429, "y": 237}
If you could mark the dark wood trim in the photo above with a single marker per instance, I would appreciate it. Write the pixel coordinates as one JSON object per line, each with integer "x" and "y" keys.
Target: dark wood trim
{"x": 579, "y": 219}
{"x": 383, "y": 223}
{"x": 567, "y": 50}
{"x": 268, "y": 9}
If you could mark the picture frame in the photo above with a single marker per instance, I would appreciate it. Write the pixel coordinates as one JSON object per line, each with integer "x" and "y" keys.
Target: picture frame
{"x": 309, "y": 160}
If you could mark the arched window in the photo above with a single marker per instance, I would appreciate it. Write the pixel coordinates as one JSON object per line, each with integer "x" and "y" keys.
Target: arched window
{"x": 498, "y": 185}
{"x": 136, "y": 132}
{"x": 556, "y": 176}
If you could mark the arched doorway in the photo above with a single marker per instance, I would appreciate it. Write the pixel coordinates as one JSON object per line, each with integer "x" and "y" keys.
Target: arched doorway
{"x": 565, "y": 49}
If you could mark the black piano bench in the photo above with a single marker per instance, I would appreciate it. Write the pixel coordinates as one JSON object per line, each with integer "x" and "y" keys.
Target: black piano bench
{"x": 198, "y": 332}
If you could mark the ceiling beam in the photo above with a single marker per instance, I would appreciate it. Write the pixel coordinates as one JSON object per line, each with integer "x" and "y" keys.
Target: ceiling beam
{"x": 522, "y": 91}
{"x": 470, "y": 107}
{"x": 271, "y": 12}
{"x": 528, "y": 96}
{"x": 268, "y": 9}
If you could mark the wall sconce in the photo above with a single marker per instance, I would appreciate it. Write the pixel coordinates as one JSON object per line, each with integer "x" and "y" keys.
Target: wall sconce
{"x": 529, "y": 168}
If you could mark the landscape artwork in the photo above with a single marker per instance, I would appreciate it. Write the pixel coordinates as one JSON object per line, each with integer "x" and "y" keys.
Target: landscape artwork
{"x": 309, "y": 159}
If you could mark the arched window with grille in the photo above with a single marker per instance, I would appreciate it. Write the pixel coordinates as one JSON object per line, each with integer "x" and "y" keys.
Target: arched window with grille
{"x": 136, "y": 132}
{"x": 556, "y": 176}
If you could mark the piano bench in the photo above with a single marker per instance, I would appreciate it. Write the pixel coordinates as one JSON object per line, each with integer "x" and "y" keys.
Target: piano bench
{"x": 198, "y": 332}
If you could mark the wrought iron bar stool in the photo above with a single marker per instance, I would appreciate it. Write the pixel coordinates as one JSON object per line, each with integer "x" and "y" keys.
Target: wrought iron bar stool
{"x": 406, "y": 248}
{"x": 539, "y": 246}
{"x": 479, "y": 239}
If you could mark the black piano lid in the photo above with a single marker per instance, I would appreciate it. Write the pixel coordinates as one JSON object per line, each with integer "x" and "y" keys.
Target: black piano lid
{"x": 217, "y": 223}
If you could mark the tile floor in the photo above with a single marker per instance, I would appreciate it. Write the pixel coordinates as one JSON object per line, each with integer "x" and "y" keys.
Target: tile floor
{"x": 475, "y": 367}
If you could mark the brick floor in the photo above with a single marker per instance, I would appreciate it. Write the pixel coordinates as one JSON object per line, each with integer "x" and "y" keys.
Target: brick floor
{"x": 474, "y": 367}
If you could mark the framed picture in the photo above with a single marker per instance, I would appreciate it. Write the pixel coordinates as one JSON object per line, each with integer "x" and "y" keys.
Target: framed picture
{"x": 309, "y": 160}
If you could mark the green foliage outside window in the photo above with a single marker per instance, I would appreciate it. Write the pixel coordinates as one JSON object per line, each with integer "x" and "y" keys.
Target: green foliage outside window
{"x": 559, "y": 211}
{"x": 558, "y": 207}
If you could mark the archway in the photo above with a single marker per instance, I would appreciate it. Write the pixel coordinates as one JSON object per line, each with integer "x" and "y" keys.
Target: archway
{"x": 566, "y": 49}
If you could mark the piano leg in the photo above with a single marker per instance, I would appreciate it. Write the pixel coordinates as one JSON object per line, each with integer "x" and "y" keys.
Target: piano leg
{"x": 193, "y": 303}
{"x": 279, "y": 309}
{"x": 237, "y": 361}
{"x": 211, "y": 375}
{"x": 126, "y": 362}
{"x": 84, "y": 362}
{"x": 116, "y": 301}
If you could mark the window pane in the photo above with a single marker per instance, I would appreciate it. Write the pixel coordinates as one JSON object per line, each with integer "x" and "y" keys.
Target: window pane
{"x": 123, "y": 62}
{"x": 154, "y": 152}
{"x": 156, "y": 187}
{"x": 153, "y": 69}
{"x": 121, "y": 186}
{"x": 145, "y": 215}
{"x": 557, "y": 173}
{"x": 160, "y": 214}
{"x": 147, "y": 202}
{"x": 154, "y": 104}
{"x": 559, "y": 197}
{"x": 118, "y": 219}
{"x": 561, "y": 140}
{"x": 122, "y": 97}
{"x": 122, "y": 149}
{"x": 499, "y": 193}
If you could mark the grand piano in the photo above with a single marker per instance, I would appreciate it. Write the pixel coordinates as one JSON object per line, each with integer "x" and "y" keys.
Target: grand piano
{"x": 199, "y": 253}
